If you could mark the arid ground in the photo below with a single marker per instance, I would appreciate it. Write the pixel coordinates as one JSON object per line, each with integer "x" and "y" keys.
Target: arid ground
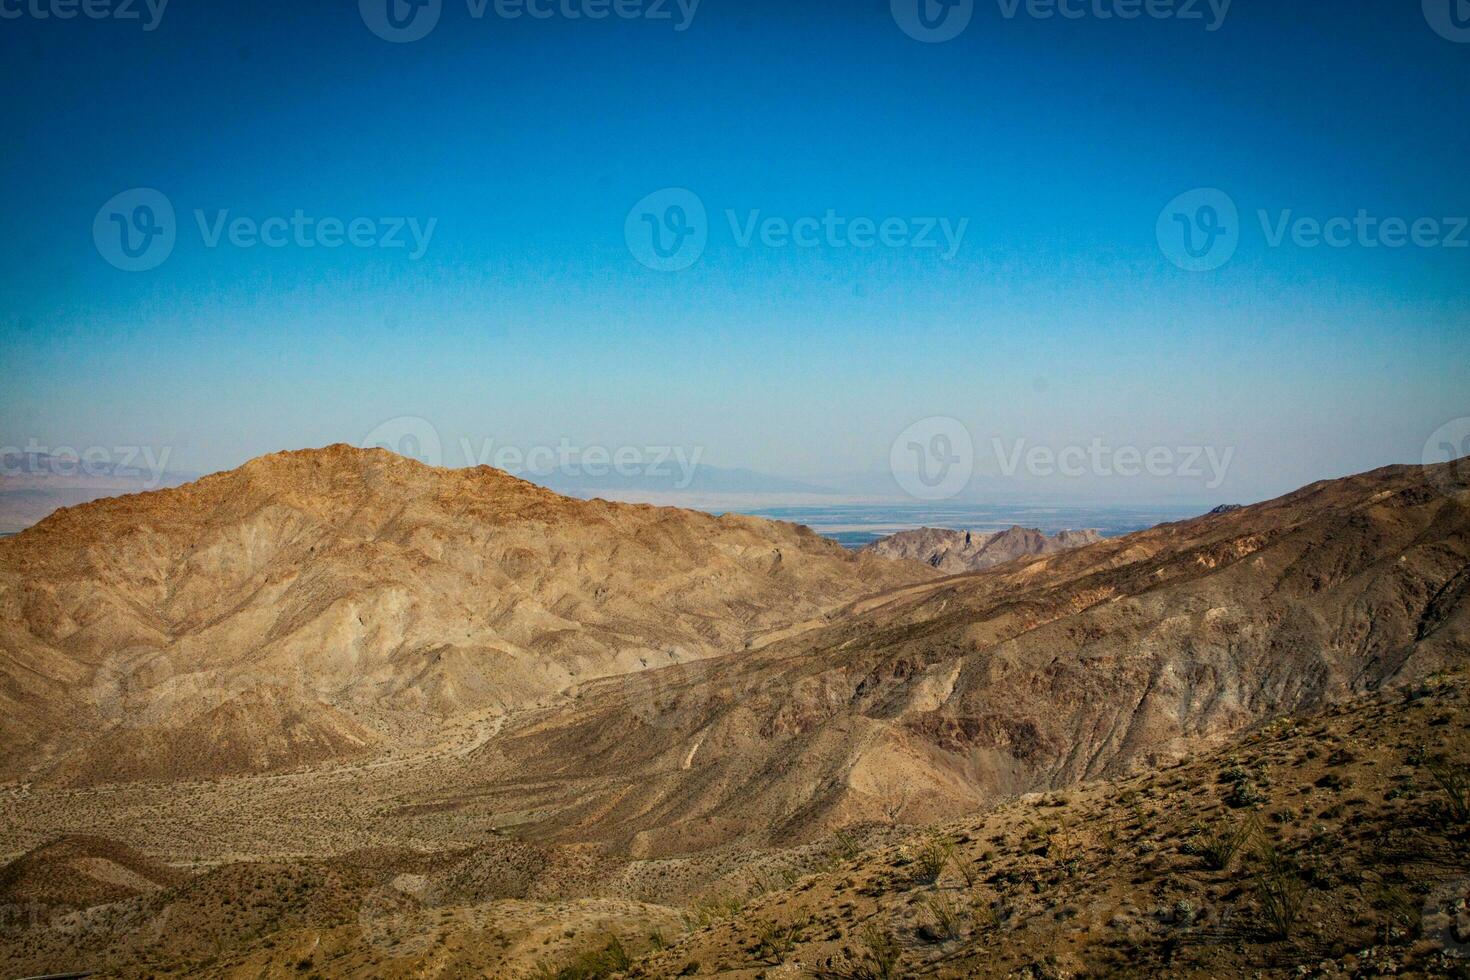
{"x": 338, "y": 713}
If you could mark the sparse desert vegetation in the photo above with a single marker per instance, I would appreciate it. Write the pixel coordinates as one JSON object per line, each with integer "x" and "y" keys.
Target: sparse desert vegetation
{"x": 1309, "y": 884}
{"x": 1234, "y": 745}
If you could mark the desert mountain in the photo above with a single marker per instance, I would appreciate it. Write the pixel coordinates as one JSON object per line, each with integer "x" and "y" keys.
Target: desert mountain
{"x": 358, "y": 789}
{"x": 969, "y": 551}
{"x": 1332, "y": 844}
{"x": 310, "y": 604}
{"x": 938, "y": 698}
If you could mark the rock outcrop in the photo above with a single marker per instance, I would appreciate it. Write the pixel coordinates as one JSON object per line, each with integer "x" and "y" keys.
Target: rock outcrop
{"x": 970, "y": 551}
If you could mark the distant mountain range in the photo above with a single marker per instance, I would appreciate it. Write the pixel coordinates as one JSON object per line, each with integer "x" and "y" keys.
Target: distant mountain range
{"x": 670, "y": 479}
{"x": 35, "y": 484}
{"x": 966, "y": 551}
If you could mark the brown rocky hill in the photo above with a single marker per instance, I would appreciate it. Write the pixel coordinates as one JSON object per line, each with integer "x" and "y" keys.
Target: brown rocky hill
{"x": 938, "y": 698}
{"x": 310, "y": 604}
{"x": 513, "y": 840}
{"x": 970, "y": 551}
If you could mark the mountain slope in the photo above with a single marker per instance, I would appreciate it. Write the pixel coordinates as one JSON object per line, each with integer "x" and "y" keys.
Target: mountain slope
{"x": 1321, "y": 846}
{"x": 79, "y": 872}
{"x": 941, "y": 697}
{"x": 491, "y": 838}
{"x": 967, "y": 551}
{"x": 358, "y": 592}
{"x": 1163, "y": 873}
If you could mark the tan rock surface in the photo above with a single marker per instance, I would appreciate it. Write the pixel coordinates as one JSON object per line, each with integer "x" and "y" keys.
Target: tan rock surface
{"x": 372, "y": 719}
{"x": 339, "y": 596}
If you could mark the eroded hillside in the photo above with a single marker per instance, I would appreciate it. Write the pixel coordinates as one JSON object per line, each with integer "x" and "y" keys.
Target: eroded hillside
{"x": 932, "y": 700}
{"x": 247, "y": 737}
{"x": 317, "y": 605}
{"x": 1335, "y": 844}
{"x": 970, "y": 551}
{"x": 1330, "y": 844}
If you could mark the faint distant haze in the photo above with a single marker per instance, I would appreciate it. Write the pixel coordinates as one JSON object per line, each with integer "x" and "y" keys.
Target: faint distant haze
{"x": 527, "y": 321}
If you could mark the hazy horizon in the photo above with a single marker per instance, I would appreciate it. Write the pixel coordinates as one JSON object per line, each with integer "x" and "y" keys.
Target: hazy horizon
{"x": 682, "y": 476}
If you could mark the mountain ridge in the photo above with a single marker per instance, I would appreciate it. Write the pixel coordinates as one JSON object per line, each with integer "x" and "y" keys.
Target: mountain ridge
{"x": 961, "y": 551}
{"x": 393, "y": 720}
{"x": 367, "y": 582}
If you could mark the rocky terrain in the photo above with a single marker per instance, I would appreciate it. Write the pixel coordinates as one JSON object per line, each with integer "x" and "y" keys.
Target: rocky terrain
{"x": 309, "y": 605}
{"x": 970, "y": 551}
{"x": 933, "y": 699}
{"x": 1335, "y": 844}
{"x": 1330, "y": 844}
{"x": 340, "y": 713}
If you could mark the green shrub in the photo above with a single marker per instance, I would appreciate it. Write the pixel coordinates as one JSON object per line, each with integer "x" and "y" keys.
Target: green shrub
{"x": 1278, "y": 891}
{"x": 969, "y": 872}
{"x": 983, "y": 914}
{"x": 1245, "y": 793}
{"x": 1453, "y": 782}
{"x": 883, "y": 952}
{"x": 590, "y": 965}
{"x": 879, "y": 959}
{"x": 1219, "y": 846}
{"x": 944, "y": 916}
{"x": 774, "y": 942}
{"x": 932, "y": 857}
{"x": 710, "y": 910}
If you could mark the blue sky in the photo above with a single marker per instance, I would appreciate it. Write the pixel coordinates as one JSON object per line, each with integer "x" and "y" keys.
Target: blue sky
{"x": 528, "y": 320}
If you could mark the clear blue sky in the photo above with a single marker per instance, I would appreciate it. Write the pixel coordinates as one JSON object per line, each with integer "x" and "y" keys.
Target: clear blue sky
{"x": 527, "y": 320}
